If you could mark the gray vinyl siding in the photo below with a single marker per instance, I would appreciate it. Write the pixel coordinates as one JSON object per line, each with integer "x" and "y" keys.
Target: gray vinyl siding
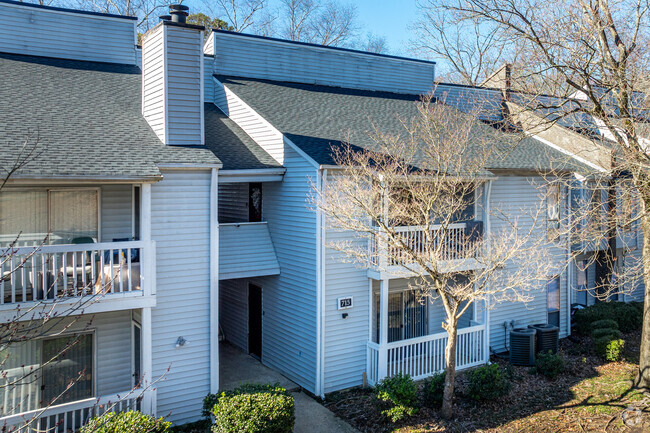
{"x": 208, "y": 46}
{"x": 153, "y": 78}
{"x": 261, "y": 131}
{"x": 244, "y": 56}
{"x": 481, "y": 102}
{"x": 184, "y": 81}
{"x": 246, "y": 250}
{"x": 116, "y": 212}
{"x": 233, "y": 311}
{"x": 208, "y": 79}
{"x": 233, "y": 202}
{"x": 515, "y": 196}
{"x": 345, "y": 340}
{"x": 181, "y": 228}
{"x": 289, "y": 299}
{"x": 45, "y": 32}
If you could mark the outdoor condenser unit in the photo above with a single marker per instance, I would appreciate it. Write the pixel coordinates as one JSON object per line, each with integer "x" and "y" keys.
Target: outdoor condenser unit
{"x": 522, "y": 346}
{"x": 548, "y": 337}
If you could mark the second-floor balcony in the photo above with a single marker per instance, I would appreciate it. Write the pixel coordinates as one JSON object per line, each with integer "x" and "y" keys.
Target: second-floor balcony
{"x": 454, "y": 246}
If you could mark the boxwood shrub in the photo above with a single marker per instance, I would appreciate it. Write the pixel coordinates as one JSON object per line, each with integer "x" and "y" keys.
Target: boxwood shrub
{"x": 126, "y": 422}
{"x": 549, "y": 364}
{"x": 488, "y": 382}
{"x": 433, "y": 390}
{"x": 253, "y": 408}
{"x": 604, "y": 324}
{"x": 602, "y": 332}
{"x": 397, "y": 396}
{"x": 628, "y": 316}
{"x": 609, "y": 348}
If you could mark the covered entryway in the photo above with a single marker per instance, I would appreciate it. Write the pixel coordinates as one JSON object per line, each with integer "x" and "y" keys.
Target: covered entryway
{"x": 238, "y": 368}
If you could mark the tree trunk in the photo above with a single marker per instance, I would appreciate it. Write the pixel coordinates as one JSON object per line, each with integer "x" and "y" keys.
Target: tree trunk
{"x": 643, "y": 377}
{"x": 450, "y": 371}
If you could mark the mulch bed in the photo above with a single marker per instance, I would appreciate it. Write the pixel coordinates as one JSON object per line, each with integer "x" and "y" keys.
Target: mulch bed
{"x": 590, "y": 395}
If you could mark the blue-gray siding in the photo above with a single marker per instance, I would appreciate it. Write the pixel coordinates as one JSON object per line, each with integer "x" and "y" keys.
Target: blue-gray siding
{"x": 246, "y": 250}
{"x": 116, "y": 212}
{"x": 233, "y": 311}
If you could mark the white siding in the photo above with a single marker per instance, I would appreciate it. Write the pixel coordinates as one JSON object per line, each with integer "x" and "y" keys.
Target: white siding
{"x": 233, "y": 202}
{"x": 248, "y": 56}
{"x": 246, "y": 250}
{"x": 515, "y": 196}
{"x": 180, "y": 207}
{"x": 261, "y": 131}
{"x": 289, "y": 299}
{"x": 345, "y": 339}
{"x": 116, "y": 212}
{"x": 153, "y": 79}
{"x": 66, "y": 34}
{"x": 233, "y": 311}
{"x": 114, "y": 352}
{"x": 208, "y": 79}
{"x": 184, "y": 81}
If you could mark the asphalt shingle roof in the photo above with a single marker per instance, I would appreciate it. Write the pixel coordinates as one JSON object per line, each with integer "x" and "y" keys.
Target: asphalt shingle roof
{"x": 235, "y": 149}
{"x": 87, "y": 118}
{"x": 317, "y": 118}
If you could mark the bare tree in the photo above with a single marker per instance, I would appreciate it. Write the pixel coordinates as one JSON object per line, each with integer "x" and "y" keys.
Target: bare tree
{"x": 471, "y": 50}
{"x": 242, "y": 15}
{"x": 375, "y": 44}
{"x": 330, "y": 23}
{"x": 599, "y": 60}
{"x": 401, "y": 203}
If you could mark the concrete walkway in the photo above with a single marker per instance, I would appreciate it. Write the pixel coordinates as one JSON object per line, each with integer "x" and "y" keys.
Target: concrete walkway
{"x": 237, "y": 368}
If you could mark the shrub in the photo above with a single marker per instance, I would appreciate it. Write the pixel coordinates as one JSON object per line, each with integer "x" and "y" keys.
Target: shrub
{"x": 549, "y": 364}
{"x": 126, "y": 422}
{"x": 602, "y": 332}
{"x": 488, "y": 382}
{"x": 604, "y": 324}
{"x": 609, "y": 348}
{"x": 400, "y": 394}
{"x": 254, "y": 408}
{"x": 433, "y": 390}
{"x": 248, "y": 388}
{"x": 628, "y": 317}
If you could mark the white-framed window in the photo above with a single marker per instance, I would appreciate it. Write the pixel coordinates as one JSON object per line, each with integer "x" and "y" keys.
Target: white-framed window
{"x": 553, "y": 206}
{"x": 47, "y": 371}
{"x": 66, "y": 214}
{"x": 553, "y": 300}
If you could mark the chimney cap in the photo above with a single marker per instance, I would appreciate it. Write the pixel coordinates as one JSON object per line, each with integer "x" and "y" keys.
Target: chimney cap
{"x": 165, "y": 17}
{"x": 179, "y": 7}
{"x": 179, "y": 13}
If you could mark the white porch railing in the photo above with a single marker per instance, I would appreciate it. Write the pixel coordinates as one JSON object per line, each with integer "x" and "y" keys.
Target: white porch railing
{"x": 424, "y": 356}
{"x": 55, "y": 272}
{"x": 70, "y": 417}
{"x": 450, "y": 245}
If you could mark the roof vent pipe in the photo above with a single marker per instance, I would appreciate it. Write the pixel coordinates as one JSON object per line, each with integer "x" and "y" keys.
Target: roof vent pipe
{"x": 179, "y": 13}
{"x": 165, "y": 17}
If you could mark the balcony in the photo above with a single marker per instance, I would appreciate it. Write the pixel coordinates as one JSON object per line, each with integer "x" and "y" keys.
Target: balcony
{"x": 455, "y": 248}
{"x": 87, "y": 275}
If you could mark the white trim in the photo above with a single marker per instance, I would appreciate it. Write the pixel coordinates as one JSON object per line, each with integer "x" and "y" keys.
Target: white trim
{"x": 190, "y": 166}
{"x": 149, "y": 397}
{"x": 214, "y": 282}
{"x": 63, "y": 180}
{"x": 319, "y": 291}
{"x": 566, "y": 152}
{"x": 569, "y": 272}
{"x": 300, "y": 151}
{"x": 165, "y": 85}
{"x": 71, "y": 12}
{"x": 201, "y": 96}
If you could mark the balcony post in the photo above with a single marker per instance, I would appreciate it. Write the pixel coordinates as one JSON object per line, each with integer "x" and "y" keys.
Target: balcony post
{"x": 149, "y": 396}
{"x": 383, "y": 329}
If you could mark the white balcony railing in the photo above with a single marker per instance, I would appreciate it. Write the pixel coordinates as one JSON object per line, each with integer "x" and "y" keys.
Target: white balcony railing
{"x": 70, "y": 417}
{"x": 424, "y": 356}
{"x": 451, "y": 244}
{"x": 54, "y": 272}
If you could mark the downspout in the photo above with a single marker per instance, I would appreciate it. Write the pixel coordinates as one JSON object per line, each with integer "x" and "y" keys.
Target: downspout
{"x": 320, "y": 291}
{"x": 214, "y": 282}
{"x": 569, "y": 277}
{"x": 488, "y": 231}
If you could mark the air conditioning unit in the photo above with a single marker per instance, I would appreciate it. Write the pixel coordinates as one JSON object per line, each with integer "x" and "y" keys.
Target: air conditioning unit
{"x": 548, "y": 337}
{"x": 522, "y": 346}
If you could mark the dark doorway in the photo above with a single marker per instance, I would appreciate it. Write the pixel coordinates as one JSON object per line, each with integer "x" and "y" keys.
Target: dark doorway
{"x": 255, "y": 320}
{"x": 254, "y": 202}
{"x": 602, "y": 271}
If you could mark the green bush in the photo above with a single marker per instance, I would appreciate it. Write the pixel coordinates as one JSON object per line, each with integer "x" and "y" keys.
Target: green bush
{"x": 609, "y": 348}
{"x": 248, "y": 388}
{"x": 254, "y": 408}
{"x": 602, "y": 332}
{"x": 400, "y": 394}
{"x": 628, "y": 316}
{"x": 488, "y": 382}
{"x": 433, "y": 390}
{"x": 549, "y": 364}
{"x": 604, "y": 324}
{"x": 126, "y": 422}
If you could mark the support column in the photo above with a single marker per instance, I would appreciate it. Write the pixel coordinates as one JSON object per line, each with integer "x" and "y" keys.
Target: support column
{"x": 383, "y": 329}
{"x": 149, "y": 396}
{"x": 214, "y": 283}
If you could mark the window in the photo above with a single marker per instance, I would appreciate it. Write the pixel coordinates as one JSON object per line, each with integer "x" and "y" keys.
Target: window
{"x": 581, "y": 280}
{"x": 137, "y": 353}
{"x": 407, "y": 315}
{"x": 255, "y": 202}
{"x": 39, "y": 372}
{"x": 553, "y": 205}
{"x": 553, "y": 301}
{"x": 65, "y": 214}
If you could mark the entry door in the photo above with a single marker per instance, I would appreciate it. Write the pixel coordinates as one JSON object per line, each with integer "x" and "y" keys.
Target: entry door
{"x": 255, "y": 320}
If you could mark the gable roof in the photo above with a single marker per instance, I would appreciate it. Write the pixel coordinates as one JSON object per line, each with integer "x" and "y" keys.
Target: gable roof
{"x": 317, "y": 118}
{"x": 87, "y": 118}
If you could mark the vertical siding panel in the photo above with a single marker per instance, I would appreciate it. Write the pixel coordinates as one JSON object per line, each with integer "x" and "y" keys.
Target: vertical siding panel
{"x": 181, "y": 228}
{"x": 233, "y": 311}
{"x": 116, "y": 212}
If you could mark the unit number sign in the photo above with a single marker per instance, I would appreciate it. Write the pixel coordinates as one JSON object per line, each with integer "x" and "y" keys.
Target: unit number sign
{"x": 345, "y": 303}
